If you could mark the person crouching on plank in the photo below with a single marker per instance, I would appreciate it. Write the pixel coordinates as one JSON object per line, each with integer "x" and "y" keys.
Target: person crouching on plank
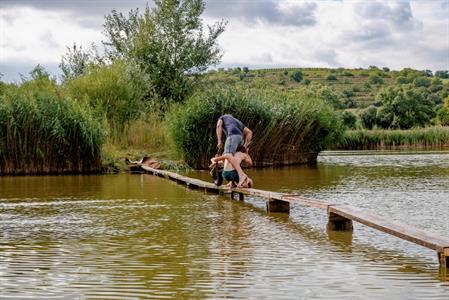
{"x": 238, "y": 137}
{"x": 230, "y": 174}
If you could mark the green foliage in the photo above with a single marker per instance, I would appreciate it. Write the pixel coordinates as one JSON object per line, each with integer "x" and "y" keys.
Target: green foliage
{"x": 443, "y": 113}
{"x": 331, "y": 77}
{"x": 368, "y": 117}
{"x": 443, "y": 116}
{"x": 421, "y": 81}
{"x": 168, "y": 44}
{"x": 386, "y": 69}
{"x": 382, "y": 139}
{"x": 279, "y": 121}
{"x": 402, "y": 80}
{"x": 349, "y": 119}
{"x": 375, "y": 79}
{"x": 409, "y": 107}
{"x": 442, "y": 74}
{"x": 76, "y": 61}
{"x": 41, "y": 131}
{"x": 327, "y": 94}
{"x": 297, "y": 76}
{"x": 112, "y": 91}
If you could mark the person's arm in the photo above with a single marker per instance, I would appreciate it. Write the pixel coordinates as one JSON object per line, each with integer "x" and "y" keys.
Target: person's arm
{"x": 218, "y": 158}
{"x": 248, "y": 135}
{"x": 248, "y": 160}
{"x": 219, "y": 131}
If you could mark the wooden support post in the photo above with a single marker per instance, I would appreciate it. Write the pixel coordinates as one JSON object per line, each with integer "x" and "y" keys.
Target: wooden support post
{"x": 241, "y": 197}
{"x": 277, "y": 206}
{"x": 337, "y": 222}
{"x": 443, "y": 257}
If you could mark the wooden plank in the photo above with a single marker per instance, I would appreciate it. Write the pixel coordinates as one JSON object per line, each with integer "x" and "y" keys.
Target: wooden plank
{"x": 305, "y": 202}
{"x": 401, "y": 230}
{"x": 366, "y": 217}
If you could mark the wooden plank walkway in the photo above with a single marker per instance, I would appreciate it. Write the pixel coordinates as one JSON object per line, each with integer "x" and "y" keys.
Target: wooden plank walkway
{"x": 340, "y": 216}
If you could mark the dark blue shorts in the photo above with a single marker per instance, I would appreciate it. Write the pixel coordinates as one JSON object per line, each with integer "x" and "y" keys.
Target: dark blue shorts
{"x": 231, "y": 176}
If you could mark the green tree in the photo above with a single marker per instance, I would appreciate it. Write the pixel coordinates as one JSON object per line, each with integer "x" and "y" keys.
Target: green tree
{"x": 349, "y": 119}
{"x": 168, "y": 43}
{"x": 368, "y": 117}
{"x": 421, "y": 81}
{"x": 409, "y": 107}
{"x": 442, "y": 74}
{"x": 75, "y": 61}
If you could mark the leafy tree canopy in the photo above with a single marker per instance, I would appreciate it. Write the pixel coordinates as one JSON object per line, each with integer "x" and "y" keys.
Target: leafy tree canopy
{"x": 168, "y": 43}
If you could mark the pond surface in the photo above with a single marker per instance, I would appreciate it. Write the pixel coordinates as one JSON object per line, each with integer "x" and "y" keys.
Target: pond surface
{"x": 140, "y": 236}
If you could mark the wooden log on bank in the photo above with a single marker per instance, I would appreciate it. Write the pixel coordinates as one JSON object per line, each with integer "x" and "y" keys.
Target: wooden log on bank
{"x": 340, "y": 216}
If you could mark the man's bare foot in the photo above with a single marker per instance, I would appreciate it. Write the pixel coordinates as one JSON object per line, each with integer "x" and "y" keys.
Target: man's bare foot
{"x": 229, "y": 185}
{"x": 243, "y": 183}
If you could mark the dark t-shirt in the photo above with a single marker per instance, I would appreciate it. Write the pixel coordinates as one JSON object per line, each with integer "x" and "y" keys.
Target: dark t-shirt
{"x": 232, "y": 126}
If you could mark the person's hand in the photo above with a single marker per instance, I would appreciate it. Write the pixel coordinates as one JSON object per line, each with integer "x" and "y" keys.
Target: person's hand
{"x": 220, "y": 146}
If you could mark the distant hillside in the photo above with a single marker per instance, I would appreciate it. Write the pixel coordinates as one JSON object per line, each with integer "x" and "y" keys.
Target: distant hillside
{"x": 356, "y": 88}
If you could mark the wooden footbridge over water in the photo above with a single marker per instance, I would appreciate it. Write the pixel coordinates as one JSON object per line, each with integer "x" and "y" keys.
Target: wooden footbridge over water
{"x": 340, "y": 216}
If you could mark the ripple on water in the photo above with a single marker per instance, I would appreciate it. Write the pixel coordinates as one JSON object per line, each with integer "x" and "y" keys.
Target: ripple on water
{"x": 165, "y": 241}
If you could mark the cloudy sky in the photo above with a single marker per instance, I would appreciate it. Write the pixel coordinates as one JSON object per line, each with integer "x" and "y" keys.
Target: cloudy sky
{"x": 260, "y": 33}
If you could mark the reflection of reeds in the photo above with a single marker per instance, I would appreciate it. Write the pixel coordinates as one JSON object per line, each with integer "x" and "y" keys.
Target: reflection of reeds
{"x": 42, "y": 132}
{"x": 284, "y": 125}
{"x": 380, "y": 139}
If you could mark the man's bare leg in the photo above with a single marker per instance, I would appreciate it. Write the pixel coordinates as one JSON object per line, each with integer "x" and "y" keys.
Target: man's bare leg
{"x": 236, "y": 165}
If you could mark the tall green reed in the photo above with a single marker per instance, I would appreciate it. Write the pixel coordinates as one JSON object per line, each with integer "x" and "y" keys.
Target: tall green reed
{"x": 430, "y": 137}
{"x": 43, "y": 132}
{"x": 287, "y": 126}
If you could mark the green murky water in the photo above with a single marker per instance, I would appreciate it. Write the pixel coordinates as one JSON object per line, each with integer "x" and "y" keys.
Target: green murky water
{"x": 140, "y": 236}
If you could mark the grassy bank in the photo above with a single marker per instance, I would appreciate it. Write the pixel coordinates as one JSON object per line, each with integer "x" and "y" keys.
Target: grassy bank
{"x": 431, "y": 137}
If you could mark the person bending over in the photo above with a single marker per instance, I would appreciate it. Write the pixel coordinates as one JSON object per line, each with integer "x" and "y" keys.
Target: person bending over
{"x": 230, "y": 174}
{"x": 238, "y": 136}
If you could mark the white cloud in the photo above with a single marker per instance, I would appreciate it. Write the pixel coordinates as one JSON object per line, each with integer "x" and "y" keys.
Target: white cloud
{"x": 35, "y": 36}
{"x": 265, "y": 33}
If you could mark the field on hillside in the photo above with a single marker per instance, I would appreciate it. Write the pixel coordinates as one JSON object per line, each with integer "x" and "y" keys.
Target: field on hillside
{"x": 357, "y": 88}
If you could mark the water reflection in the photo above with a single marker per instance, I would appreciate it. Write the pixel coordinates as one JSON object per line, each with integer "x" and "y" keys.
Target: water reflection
{"x": 140, "y": 236}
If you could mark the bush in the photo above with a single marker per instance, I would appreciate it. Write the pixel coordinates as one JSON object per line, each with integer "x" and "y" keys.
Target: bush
{"x": 442, "y": 74}
{"x": 297, "y": 76}
{"x": 331, "y": 77}
{"x": 375, "y": 79}
{"x": 112, "y": 91}
{"x": 368, "y": 117}
{"x": 421, "y": 81}
{"x": 283, "y": 124}
{"x": 402, "y": 80}
{"x": 43, "y": 132}
{"x": 443, "y": 116}
{"x": 349, "y": 119}
{"x": 409, "y": 106}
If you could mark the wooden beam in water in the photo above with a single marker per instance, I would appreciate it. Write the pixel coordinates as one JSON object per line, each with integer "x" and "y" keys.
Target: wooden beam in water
{"x": 401, "y": 230}
{"x": 340, "y": 215}
{"x": 274, "y": 205}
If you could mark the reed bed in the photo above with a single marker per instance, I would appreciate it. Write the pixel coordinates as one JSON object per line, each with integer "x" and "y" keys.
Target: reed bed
{"x": 288, "y": 128}
{"x": 430, "y": 137}
{"x": 42, "y": 132}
